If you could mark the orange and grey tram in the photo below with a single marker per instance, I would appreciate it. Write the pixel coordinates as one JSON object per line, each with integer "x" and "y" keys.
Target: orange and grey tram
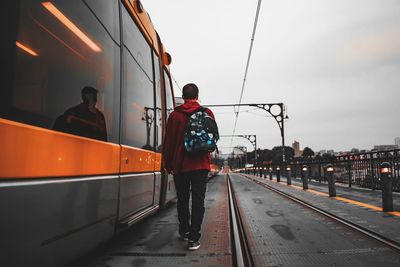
{"x": 83, "y": 104}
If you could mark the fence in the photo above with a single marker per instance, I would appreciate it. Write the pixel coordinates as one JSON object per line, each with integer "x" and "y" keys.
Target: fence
{"x": 361, "y": 169}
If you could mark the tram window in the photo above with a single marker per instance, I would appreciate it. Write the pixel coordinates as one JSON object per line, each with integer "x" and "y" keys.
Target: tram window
{"x": 61, "y": 49}
{"x": 139, "y": 48}
{"x": 168, "y": 94}
{"x": 157, "y": 80}
{"x": 106, "y": 10}
{"x": 137, "y": 89}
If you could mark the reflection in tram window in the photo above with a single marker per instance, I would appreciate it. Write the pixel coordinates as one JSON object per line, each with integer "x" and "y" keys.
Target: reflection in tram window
{"x": 84, "y": 119}
{"x": 61, "y": 47}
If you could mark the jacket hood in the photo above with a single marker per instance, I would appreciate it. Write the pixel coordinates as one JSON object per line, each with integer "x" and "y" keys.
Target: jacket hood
{"x": 188, "y": 107}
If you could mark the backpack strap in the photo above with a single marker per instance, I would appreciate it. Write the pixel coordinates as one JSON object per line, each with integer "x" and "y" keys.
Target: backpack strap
{"x": 188, "y": 115}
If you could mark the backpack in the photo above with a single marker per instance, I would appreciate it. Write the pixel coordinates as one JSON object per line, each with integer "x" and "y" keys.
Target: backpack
{"x": 201, "y": 132}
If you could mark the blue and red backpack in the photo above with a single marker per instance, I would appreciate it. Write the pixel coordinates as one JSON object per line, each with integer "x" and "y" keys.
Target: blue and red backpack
{"x": 201, "y": 132}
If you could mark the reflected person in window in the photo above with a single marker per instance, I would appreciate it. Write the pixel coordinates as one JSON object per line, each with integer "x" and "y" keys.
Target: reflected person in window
{"x": 84, "y": 119}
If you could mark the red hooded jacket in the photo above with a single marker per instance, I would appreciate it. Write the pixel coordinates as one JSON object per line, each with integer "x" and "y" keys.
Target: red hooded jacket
{"x": 176, "y": 159}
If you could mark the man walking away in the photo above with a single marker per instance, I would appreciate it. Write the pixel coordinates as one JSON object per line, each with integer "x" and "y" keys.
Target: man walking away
{"x": 189, "y": 169}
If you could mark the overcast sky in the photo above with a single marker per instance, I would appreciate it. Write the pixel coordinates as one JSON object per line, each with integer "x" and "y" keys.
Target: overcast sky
{"x": 335, "y": 64}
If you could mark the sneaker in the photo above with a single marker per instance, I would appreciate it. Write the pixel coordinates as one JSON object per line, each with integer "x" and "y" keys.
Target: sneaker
{"x": 194, "y": 245}
{"x": 184, "y": 236}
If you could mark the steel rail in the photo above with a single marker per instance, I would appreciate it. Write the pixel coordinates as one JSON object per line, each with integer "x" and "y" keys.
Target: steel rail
{"x": 389, "y": 242}
{"x": 241, "y": 252}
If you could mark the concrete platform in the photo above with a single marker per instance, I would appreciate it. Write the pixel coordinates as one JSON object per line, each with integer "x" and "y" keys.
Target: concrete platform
{"x": 155, "y": 241}
{"x": 284, "y": 233}
{"x": 368, "y": 216}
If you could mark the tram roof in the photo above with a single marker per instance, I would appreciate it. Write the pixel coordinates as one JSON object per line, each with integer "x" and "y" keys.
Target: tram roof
{"x": 143, "y": 20}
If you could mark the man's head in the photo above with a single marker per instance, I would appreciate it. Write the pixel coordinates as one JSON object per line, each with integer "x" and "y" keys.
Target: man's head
{"x": 190, "y": 91}
{"x": 89, "y": 95}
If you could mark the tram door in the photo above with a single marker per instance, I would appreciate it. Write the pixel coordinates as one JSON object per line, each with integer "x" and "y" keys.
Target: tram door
{"x": 138, "y": 121}
{"x": 170, "y": 185}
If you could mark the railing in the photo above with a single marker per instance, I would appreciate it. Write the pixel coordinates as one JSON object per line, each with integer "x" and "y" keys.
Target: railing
{"x": 361, "y": 169}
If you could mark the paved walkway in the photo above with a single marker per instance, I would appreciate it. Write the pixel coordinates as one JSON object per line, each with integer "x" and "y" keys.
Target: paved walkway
{"x": 155, "y": 241}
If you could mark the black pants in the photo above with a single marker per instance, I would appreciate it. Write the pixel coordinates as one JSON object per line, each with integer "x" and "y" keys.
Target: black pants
{"x": 197, "y": 182}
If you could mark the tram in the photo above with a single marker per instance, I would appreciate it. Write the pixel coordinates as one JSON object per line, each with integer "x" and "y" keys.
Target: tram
{"x": 214, "y": 171}
{"x": 84, "y": 100}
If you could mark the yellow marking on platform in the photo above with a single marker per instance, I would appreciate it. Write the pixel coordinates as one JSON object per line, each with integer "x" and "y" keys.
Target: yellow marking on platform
{"x": 318, "y": 192}
{"x": 372, "y": 207}
{"x": 358, "y": 203}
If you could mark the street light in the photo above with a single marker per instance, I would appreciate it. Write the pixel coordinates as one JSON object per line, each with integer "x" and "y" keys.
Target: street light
{"x": 386, "y": 168}
{"x": 387, "y": 194}
{"x": 329, "y": 168}
{"x": 288, "y": 178}
{"x": 252, "y": 138}
{"x": 276, "y": 110}
{"x": 331, "y": 180}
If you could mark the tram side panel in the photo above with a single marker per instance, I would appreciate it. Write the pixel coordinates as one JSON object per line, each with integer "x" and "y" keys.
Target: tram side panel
{"x": 50, "y": 222}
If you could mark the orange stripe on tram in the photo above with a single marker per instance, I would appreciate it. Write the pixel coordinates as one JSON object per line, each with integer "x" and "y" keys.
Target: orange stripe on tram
{"x": 29, "y": 152}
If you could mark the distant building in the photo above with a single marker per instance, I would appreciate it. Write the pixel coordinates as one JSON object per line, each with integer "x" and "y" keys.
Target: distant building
{"x": 397, "y": 142}
{"x": 296, "y": 148}
{"x": 384, "y": 147}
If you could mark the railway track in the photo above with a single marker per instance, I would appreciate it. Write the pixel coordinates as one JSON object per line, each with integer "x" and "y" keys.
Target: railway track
{"x": 386, "y": 241}
{"x": 240, "y": 252}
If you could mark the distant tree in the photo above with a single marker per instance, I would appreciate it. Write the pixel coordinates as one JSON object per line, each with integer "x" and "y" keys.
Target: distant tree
{"x": 327, "y": 157}
{"x": 266, "y": 155}
{"x": 308, "y": 152}
{"x": 277, "y": 151}
{"x": 355, "y": 150}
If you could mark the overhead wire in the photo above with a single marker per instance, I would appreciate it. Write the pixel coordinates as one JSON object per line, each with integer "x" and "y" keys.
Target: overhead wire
{"x": 247, "y": 64}
{"x": 173, "y": 78}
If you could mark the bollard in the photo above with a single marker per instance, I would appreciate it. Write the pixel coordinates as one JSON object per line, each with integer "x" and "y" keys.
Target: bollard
{"x": 331, "y": 180}
{"x": 304, "y": 174}
{"x": 270, "y": 173}
{"x": 386, "y": 179}
{"x": 265, "y": 172}
{"x": 289, "y": 178}
{"x": 254, "y": 171}
{"x": 278, "y": 174}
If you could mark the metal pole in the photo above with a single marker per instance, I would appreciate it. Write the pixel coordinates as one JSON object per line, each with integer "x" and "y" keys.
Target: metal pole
{"x": 387, "y": 196}
{"x": 278, "y": 174}
{"x": 283, "y": 135}
{"x": 289, "y": 178}
{"x": 255, "y": 149}
{"x": 331, "y": 180}
{"x": 304, "y": 173}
